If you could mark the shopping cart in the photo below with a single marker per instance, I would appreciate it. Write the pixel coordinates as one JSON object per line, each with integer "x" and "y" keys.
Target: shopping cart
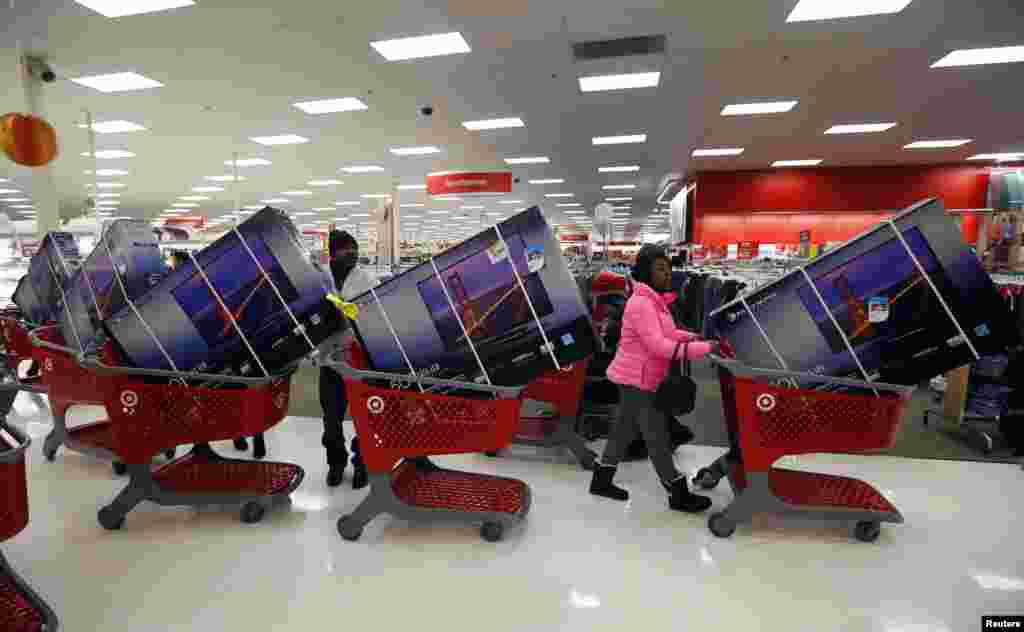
{"x": 399, "y": 428}
{"x": 21, "y": 609}
{"x": 562, "y": 389}
{"x": 68, "y": 384}
{"x": 767, "y": 418}
{"x": 152, "y": 410}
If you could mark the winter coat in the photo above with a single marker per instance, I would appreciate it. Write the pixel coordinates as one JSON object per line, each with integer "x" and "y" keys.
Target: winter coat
{"x": 358, "y": 281}
{"x": 649, "y": 338}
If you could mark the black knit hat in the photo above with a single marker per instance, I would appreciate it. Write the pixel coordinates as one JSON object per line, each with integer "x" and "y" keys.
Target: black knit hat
{"x": 645, "y": 262}
{"x": 338, "y": 239}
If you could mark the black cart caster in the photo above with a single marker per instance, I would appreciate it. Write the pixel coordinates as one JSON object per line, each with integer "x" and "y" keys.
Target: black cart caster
{"x": 252, "y": 512}
{"x": 867, "y": 531}
{"x": 492, "y": 454}
{"x": 706, "y": 479}
{"x": 721, "y": 525}
{"x": 169, "y": 453}
{"x": 492, "y": 531}
{"x": 109, "y": 519}
{"x": 348, "y": 532}
{"x": 50, "y": 455}
{"x": 119, "y": 468}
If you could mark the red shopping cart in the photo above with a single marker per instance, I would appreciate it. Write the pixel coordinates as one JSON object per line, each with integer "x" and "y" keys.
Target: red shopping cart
{"x": 21, "y": 609}
{"x": 768, "y": 418}
{"x": 68, "y": 384}
{"x": 399, "y": 428}
{"x": 563, "y": 390}
{"x": 151, "y": 411}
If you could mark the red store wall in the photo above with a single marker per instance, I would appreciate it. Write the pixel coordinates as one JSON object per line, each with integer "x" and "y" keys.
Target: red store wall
{"x": 834, "y": 204}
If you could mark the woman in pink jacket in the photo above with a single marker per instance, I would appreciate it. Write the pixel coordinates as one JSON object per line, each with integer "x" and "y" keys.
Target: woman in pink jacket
{"x": 648, "y": 342}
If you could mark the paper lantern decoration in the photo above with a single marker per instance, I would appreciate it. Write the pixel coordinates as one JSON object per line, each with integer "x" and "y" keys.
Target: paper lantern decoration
{"x": 27, "y": 139}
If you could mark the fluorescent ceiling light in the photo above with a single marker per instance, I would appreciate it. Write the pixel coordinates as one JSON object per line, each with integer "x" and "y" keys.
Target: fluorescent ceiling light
{"x": 808, "y": 10}
{"x": 936, "y": 144}
{"x": 108, "y": 195}
{"x": 796, "y": 163}
{"x": 324, "y": 183}
{"x": 618, "y": 199}
{"x": 297, "y": 193}
{"x": 412, "y": 206}
{"x": 621, "y": 208}
{"x": 437, "y": 212}
{"x": 122, "y": 8}
{"x": 860, "y": 128}
{"x": 22, "y": 206}
{"x": 569, "y": 205}
{"x": 207, "y": 189}
{"x": 414, "y": 151}
{"x": 558, "y": 195}
{"x": 110, "y": 154}
{"x": 603, "y": 83}
{"x": 501, "y": 123}
{"x": 573, "y": 212}
{"x": 194, "y": 198}
{"x": 449, "y": 198}
{"x": 114, "y": 127}
{"x": 732, "y": 151}
{"x": 348, "y": 203}
{"x": 412, "y": 187}
{"x": 612, "y": 187}
{"x": 621, "y": 169}
{"x": 620, "y": 140}
{"x": 107, "y": 185}
{"x": 536, "y": 160}
{"x": 118, "y": 82}
{"x": 360, "y": 214}
{"x": 421, "y": 47}
{"x": 224, "y": 178}
{"x": 775, "y": 107}
{"x": 548, "y": 181}
{"x": 362, "y": 169}
{"x": 284, "y": 139}
{"x": 981, "y": 56}
{"x": 473, "y": 207}
{"x": 253, "y": 207}
{"x": 510, "y": 202}
{"x": 185, "y": 205}
{"x": 329, "y": 106}
{"x": 1010, "y": 156}
{"x": 8, "y": 191}
{"x": 107, "y": 172}
{"x": 494, "y": 214}
{"x": 248, "y": 162}
{"x": 275, "y": 201}
{"x": 303, "y": 214}
{"x": 411, "y": 216}
{"x": 376, "y": 196}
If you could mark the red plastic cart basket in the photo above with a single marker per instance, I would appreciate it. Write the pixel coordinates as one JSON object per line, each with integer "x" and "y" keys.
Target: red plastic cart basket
{"x": 21, "y": 609}
{"x": 767, "y": 420}
{"x": 16, "y": 344}
{"x": 399, "y": 428}
{"x": 151, "y": 411}
{"x": 563, "y": 390}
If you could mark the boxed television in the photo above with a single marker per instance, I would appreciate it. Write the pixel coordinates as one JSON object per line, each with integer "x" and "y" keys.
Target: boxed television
{"x": 464, "y": 314}
{"x": 236, "y": 299}
{"x": 123, "y": 266}
{"x": 38, "y": 293}
{"x": 900, "y": 303}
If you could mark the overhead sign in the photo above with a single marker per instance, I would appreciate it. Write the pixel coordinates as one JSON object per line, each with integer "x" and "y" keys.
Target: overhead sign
{"x": 194, "y": 221}
{"x": 748, "y": 250}
{"x": 578, "y": 237}
{"x": 469, "y": 182}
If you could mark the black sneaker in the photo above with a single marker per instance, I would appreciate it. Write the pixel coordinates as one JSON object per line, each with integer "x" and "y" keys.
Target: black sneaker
{"x": 335, "y": 475}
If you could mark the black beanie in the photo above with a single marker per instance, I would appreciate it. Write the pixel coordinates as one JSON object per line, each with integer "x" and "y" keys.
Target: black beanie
{"x": 645, "y": 261}
{"x": 338, "y": 239}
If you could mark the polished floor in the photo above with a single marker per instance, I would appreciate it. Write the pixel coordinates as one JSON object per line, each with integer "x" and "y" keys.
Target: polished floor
{"x": 578, "y": 562}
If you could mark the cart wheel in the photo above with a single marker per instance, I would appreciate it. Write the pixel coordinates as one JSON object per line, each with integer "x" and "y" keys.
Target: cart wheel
{"x": 721, "y": 525}
{"x": 706, "y": 479}
{"x": 492, "y": 531}
{"x": 109, "y": 519}
{"x": 50, "y": 455}
{"x": 867, "y": 530}
{"x": 252, "y": 512}
{"x": 169, "y": 453}
{"x": 347, "y": 532}
{"x": 120, "y": 468}
{"x": 493, "y": 454}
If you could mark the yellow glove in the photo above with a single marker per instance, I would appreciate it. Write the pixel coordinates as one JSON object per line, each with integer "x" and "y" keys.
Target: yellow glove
{"x": 350, "y": 310}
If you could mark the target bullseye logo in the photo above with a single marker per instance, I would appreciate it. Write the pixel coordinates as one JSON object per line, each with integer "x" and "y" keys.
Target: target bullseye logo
{"x": 375, "y": 405}
{"x": 129, "y": 400}
{"x": 48, "y": 365}
{"x": 280, "y": 401}
{"x": 766, "y": 402}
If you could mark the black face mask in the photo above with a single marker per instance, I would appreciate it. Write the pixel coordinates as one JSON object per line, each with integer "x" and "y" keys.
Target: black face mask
{"x": 346, "y": 261}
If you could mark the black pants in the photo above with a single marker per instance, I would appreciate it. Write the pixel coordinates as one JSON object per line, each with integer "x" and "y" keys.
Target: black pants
{"x": 334, "y": 402}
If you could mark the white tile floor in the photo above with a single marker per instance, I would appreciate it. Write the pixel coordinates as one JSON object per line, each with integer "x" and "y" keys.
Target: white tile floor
{"x": 578, "y": 563}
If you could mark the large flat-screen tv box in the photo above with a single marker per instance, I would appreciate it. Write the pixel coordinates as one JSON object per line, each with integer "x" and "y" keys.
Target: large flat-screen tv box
{"x": 905, "y": 318}
{"x": 421, "y": 317}
{"x": 38, "y": 294}
{"x": 128, "y": 248}
{"x": 182, "y": 324}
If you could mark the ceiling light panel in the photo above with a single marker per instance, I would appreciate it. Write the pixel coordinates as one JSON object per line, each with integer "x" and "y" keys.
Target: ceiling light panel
{"x": 535, "y": 160}
{"x": 981, "y": 57}
{"x": 811, "y": 10}
{"x": 107, "y": 172}
{"x": 194, "y": 198}
{"x": 248, "y": 162}
{"x": 110, "y": 154}
{"x": 185, "y": 205}
{"x": 1005, "y": 156}
{"x": 330, "y": 106}
{"x": 347, "y": 203}
{"x": 613, "y": 187}
{"x": 604, "y": 83}
{"x": 122, "y": 8}
{"x": 744, "y": 109}
{"x": 937, "y": 144}
{"x": 207, "y": 189}
{"x": 118, "y": 82}
{"x": 558, "y": 195}
{"x": 108, "y": 195}
{"x": 275, "y": 201}
{"x": 376, "y": 196}
{"x": 414, "y": 151}
{"x": 618, "y": 199}
{"x": 412, "y": 187}
{"x": 115, "y": 127}
{"x": 324, "y": 183}
{"x": 796, "y": 163}
{"x": 224, "y": 178}
{"x": 860, "y": 128}
{"x": 283, "y": 139}
{"x": 109, "y": 185}
{"x": 620, "y": 140}
{"x": 548, "y": 181}
{"x": 510, "y": 202}
{"x": 569, "y": 205}
{"x": 725, "y": 151}
{"x": 421, "y": 47}
{"x": 619, "y": 169}
{"x": 489, "y": 124}
{"x": 362, "y": 169}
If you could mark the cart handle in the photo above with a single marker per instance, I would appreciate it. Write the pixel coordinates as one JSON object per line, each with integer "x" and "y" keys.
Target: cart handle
{"x": 52, "y": 346}
{"x": 335, "y": 360}
{"x": 738, "y": 368}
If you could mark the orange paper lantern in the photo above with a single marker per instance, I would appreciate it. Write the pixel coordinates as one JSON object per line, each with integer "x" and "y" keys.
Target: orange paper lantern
{"x": 27, "y": 139}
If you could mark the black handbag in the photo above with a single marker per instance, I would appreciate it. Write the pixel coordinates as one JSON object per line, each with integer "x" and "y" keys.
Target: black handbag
{"x": 677, "y": 393}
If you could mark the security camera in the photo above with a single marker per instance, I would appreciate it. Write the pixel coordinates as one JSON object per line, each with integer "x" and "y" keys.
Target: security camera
{"x": 516, "y": 180}
{"x": 39, "y": 68}
{"x": 426, "y": 110}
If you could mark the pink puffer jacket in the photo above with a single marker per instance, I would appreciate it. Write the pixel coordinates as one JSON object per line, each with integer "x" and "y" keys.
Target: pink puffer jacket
{"x": 649, "y": 338}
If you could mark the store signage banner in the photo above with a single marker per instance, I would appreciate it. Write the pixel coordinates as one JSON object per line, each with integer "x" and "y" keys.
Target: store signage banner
{"x": 573, "y": 238}
{"x": 194, "y": 221}
{"x": 805, "y": 244}
{"x": 470, "y": 182}
{"x": 698, "y": 253}
{"x": 748, "y": 250}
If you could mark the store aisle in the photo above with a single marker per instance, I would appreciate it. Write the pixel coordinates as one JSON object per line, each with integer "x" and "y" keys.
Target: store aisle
{"x": 579, "y": 563}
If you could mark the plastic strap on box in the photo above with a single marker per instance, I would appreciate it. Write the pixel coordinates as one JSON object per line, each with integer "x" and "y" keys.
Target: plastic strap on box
{"x": 299, "y": 327}
{"x": 462, "y": 325}
{"x": 782, "y": 362}
{"x": 842, "y": 334}
{"x": 394, "y": 334}
{"x": 931, "y": 284}
{"x": 227, "y": 311}
{"x": 543, "y": 334}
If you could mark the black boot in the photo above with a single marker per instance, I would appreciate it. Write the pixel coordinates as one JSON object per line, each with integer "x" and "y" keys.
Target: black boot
{"x": 259, "y": 447}
{"x": 241, "y": 445}
{"x": 601, "y": 484}
{"x": 337, "y": 460}
{"x": 335, "y": 474}
{"x": 680, "y": 498}
{"x": 360, "y": 477}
